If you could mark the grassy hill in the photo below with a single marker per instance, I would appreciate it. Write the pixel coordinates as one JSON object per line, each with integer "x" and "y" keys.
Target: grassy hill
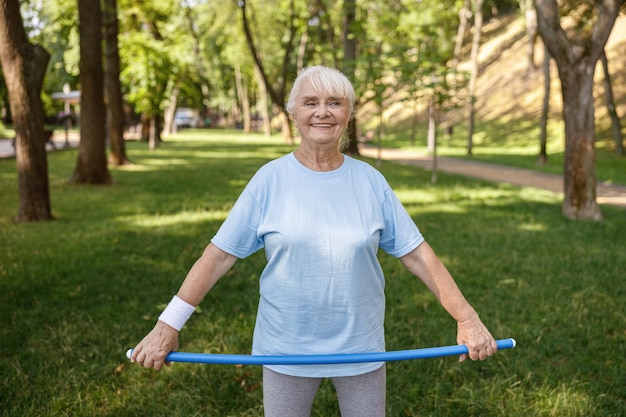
{"x": 509, "y": 104}
{"x": 506, "y": 90}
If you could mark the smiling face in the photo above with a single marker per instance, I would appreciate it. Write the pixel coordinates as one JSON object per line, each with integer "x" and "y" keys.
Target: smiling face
{"x": 320, "y": 118}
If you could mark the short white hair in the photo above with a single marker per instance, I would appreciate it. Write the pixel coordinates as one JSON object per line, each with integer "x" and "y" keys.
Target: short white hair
{"x": 323, "y": 80}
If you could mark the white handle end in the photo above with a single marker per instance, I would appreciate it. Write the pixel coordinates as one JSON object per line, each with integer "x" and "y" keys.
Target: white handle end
{"x": 129, "y": 353}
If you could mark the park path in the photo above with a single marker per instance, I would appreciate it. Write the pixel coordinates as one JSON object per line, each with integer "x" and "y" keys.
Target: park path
{"x": 606, "y": 193}
{"x": 7, "y": 150}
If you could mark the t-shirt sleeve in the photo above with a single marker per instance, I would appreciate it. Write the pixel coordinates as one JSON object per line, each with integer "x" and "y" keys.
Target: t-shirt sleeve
{"x": 400, "y": 235}
{"x": 238, "y": 234}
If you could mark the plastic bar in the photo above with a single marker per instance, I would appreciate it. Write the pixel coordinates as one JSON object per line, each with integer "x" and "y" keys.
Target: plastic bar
{"x": 399, "y": 355}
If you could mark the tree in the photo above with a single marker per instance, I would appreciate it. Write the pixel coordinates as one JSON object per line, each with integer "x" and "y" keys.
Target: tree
{"x": 115, "y": 102}
{"x": 428, "y": 68}
{"x": 616, "y": 128}
{"x": 244, "y": 100}
{"x": 349, "y": 62}
{"x": 56, "y": 29}
{"x": 478, "y": 27}
{"x": 202, "y": 34}
{"x": 545, "y": 108}
{"x": 465, "y": 13}
{"x": 530, "y": 18}
{"x": 150, "y": 48}
{"x": 277, "y": 93}
{"x": 576, "y": 49}
{"x": 91, "y": 167}
{"x": 24, "y": 66}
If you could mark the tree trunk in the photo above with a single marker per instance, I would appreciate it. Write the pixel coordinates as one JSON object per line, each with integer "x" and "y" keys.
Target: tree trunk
{"x": 431, "y": 134}
{"x": 543, "y": 135}
{"x": 200, "y": 64}
{"x": 169, "y": 115}
{"x": 478, "y": 27}
{"x": 414, "y": 116}
{"x": 24, "y": 66}
{"x": 117, "y": 155}
{"x": 432, "y": 137}
{"x": 286, "y": 128}
{"x": 244, "y": 101}
{"x": 576, "y": 56}
{"x": 277, "y": 95}
{"x": 530, "y": 17}
{"x": 146, "y": 121}
{"x": 153, "y": 136}
{"x": 379, "y": 131}
{"x": 91, "y": 167}
{"x": 578, "y": 114}
{"x": 616, "y": 129}
{"x": 263, "y": 103}
{"x": 349, "y": 60}
{"x": 531, "y": 33}
{"x": 302, "y": 51}
{"x": 464, "y": 15}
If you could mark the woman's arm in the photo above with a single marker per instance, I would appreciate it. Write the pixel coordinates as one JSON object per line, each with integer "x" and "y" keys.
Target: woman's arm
{"x": 424, "y": 263}
{"x": 163, "y": 339}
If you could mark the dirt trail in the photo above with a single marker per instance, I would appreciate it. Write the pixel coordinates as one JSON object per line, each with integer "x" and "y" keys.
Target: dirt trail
{"x": 606, "y": 194}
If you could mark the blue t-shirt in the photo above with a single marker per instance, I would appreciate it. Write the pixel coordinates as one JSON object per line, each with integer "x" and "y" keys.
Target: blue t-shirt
{"x": 322, "y": 290}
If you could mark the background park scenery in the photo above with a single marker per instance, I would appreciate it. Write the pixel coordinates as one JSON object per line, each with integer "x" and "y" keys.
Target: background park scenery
{"x": 80, "y": 289}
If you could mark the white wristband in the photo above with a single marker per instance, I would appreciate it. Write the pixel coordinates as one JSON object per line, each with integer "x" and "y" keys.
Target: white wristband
{"x": 177, "y": 313}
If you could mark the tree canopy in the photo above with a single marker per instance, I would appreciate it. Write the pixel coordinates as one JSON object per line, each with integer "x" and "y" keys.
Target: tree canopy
{"x": 192, "y": 48}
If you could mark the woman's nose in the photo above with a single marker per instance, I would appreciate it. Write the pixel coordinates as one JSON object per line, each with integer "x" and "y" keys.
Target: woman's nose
{"x": 322, "y": 111}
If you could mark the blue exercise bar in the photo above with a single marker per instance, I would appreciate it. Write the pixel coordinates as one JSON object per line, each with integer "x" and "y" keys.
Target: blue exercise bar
{"x": 399, "y": 355}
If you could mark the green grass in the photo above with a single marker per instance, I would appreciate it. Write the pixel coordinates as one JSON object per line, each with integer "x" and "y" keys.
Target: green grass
{"x": 513, "y": 143}
{"x": 76, "y": 292}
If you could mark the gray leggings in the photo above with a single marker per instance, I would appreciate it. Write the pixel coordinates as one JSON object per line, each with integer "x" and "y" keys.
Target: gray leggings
{"x": 292, "y": 396}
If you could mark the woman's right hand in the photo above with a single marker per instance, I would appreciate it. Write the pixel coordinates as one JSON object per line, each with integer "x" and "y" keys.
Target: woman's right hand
{"x": 154, "y": 348}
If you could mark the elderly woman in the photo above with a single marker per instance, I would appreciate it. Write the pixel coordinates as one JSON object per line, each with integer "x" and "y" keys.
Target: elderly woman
{"x": 321, "y": 217}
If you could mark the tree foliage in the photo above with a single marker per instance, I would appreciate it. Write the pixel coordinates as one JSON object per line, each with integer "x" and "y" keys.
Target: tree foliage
{"x": 191, "y": 48}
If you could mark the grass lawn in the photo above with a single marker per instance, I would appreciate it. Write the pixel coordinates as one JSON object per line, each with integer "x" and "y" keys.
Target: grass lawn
{"x": 77, "y": 292}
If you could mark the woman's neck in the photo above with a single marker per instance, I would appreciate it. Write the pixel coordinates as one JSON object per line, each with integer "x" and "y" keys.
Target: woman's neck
{"x": 321, "y": 160}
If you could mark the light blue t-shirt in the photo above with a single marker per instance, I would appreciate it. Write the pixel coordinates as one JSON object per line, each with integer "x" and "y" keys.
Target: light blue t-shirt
{"x": 322, "y": 290}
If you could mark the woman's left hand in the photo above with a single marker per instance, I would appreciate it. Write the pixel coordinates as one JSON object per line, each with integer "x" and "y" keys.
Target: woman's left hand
{"x": 474, "y": 334}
